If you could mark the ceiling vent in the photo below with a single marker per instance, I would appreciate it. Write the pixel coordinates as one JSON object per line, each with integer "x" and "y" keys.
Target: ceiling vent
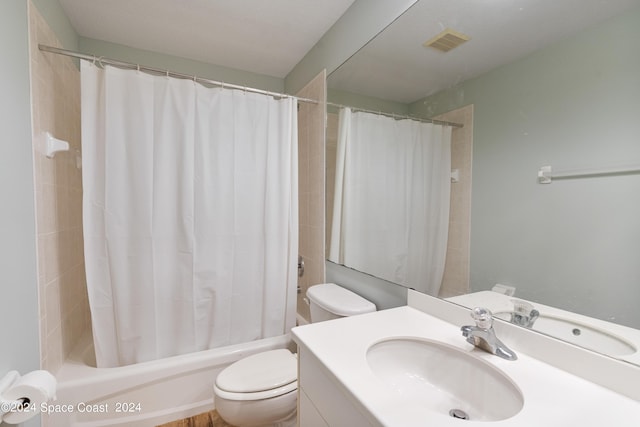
{"x": 447, "y": 40}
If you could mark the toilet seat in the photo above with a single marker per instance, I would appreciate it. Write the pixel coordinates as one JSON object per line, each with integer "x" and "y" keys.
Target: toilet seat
{"x": 260, "y": 376}
{"x": 260, "y": 395}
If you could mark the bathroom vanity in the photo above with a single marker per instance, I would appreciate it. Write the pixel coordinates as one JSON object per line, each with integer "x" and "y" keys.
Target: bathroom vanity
{"x": 411, "y": 366}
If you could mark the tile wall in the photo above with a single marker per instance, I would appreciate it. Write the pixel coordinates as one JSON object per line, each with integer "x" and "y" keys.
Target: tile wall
{"x": 456, "y": 270}
{"x": 55, "y": 94}
{"x": 311, "y": 166}
{"x": 331, "y": 151}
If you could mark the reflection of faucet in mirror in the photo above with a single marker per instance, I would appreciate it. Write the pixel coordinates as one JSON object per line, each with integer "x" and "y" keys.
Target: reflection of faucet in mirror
{"x": 484, "y": 336}
{"x": 523, "y": 313}
{"x": 604, "y": 337}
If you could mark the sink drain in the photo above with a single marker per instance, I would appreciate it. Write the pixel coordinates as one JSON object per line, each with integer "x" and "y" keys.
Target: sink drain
{"x": 459, "y": 414}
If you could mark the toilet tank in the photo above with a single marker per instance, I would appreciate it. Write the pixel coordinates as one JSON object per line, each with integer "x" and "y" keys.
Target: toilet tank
{"x": 330, "y": 301}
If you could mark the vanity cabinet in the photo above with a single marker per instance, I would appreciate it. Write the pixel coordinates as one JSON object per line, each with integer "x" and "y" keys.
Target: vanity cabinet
{"x": 321, "y": 401}
{"x": 308, "y": 415}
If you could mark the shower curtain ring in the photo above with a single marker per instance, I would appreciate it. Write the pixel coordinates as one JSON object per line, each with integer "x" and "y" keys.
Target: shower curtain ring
{"x": 94, "y": 61}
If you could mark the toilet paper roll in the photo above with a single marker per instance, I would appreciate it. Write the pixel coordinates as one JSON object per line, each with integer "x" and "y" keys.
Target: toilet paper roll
{"x": 38, "y": 387}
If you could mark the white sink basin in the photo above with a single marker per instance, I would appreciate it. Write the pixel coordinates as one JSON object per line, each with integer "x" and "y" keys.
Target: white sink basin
{"x": 445, "y": 379}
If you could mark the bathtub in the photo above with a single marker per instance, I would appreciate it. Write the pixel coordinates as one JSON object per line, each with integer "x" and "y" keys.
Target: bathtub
{"x": 145, "y": 394}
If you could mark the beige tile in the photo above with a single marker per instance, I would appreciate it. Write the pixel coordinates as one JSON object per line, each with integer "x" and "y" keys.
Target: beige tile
{"x": 304, "y": 244}
{"x": 312, "y": 273}
{"x": 41, "y": 262}
{"x": 56, "y": 108}
{"x": 303, "y": 208}
{"x": 317, "y": 175}
{"x": 69, "y": 295}
{"x": 456, "y": 274}
{"x": 52, "y": 306}
{"x": 55, "y": 354}
{"x": 303, "y": 307}
{"x": 316, "y": 211}
{"x": 312, "y": 175}
{"x": 46, "y": 169}
{"x": 303, "y": 138}
{"x": 303, "y": 184}
{"x": 51, "y": 256}
{"x": 317, "y": 243}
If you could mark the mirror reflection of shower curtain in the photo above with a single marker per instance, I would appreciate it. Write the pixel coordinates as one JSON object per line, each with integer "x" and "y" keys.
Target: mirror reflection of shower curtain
{"x": 190, "y": 214}
{"x": 391, "y": 206}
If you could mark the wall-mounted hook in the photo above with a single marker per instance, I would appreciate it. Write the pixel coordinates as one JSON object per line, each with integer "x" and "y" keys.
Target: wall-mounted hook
{"x": 53, "y": 145}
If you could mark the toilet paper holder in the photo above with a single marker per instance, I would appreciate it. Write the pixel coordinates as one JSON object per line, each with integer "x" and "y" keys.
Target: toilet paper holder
{"x": 9, "y": 406}
{"x": 22, "y": 397}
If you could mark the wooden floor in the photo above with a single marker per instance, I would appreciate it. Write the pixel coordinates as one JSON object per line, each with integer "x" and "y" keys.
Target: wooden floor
{"x": 208, "y": 419}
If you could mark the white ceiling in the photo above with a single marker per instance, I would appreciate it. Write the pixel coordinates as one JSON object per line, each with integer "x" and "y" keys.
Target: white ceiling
{"x": 263, "y": 36}
{"x": 271, "y": 36}
{"x": 395, "y": 66}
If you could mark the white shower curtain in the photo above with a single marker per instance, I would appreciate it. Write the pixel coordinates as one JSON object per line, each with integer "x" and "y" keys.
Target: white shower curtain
{"x": 190, "y": 214}
{"x": 391, "y": 201}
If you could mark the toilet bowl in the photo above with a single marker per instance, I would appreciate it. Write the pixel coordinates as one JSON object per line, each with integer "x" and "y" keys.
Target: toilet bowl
{"x": 261, "y": 390}
{"x": 258, "y": 390}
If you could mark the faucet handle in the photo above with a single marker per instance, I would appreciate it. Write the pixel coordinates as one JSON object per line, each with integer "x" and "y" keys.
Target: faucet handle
{"x": 483, "y": 317}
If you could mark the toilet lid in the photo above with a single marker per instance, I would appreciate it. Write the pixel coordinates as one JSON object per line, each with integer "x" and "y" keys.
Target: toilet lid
{"x": 259, "y": 372}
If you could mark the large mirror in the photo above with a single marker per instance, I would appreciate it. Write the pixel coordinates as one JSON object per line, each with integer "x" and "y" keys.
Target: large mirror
{"x": 544, "y": 221}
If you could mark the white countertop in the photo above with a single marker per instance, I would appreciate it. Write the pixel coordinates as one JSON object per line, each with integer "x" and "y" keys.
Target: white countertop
{"x": 552, "y": 397}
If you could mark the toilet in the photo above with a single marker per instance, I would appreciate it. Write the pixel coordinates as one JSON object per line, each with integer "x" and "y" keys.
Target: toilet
{"x": 261, "y": 390}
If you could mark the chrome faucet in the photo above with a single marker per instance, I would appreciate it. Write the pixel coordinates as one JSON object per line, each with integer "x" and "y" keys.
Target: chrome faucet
{"x": 523, "y": 314}
{"x": 484, "y": 336}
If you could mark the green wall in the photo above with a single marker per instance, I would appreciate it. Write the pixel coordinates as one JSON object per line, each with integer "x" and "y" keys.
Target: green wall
{"x": 18, "y": 297}
{"x": 53, "y": 13}
{"x": 366, "y": 102}
{"x": 573, "y": 105}
{"x": 180, "y": 65}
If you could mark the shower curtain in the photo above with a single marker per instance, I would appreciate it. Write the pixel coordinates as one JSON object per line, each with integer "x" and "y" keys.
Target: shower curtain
{"x": 391, "y": 200}
{"x": 190, "y": 214}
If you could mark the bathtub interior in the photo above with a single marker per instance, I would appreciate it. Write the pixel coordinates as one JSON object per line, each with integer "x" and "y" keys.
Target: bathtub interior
{"x": 145, "y": 394}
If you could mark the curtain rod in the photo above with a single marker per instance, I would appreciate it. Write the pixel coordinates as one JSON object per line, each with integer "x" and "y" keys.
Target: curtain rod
{"x": 399, "y": 116}
{"x": 102, "y": 61}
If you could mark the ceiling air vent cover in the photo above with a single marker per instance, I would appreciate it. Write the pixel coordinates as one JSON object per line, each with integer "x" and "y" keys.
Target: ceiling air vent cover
{"x": 446, "y": 40}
